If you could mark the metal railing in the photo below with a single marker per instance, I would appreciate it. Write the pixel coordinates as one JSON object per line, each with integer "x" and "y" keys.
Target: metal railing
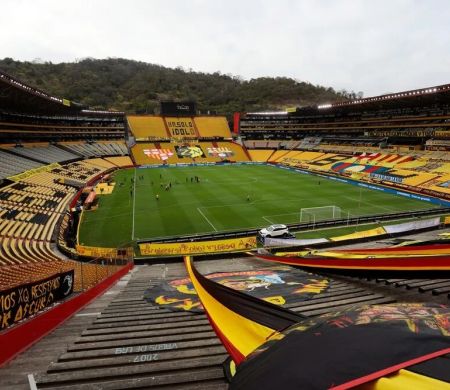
{"x": 297, "y": 227}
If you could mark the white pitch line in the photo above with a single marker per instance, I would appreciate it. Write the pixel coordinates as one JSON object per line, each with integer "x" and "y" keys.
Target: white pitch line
{"x": 134, "y": 202}
{"x": 268, "y": 220}
{"x": 207, "y": 220}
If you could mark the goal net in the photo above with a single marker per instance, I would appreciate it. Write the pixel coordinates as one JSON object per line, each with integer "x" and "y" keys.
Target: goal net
{"x": 314, "y": 214}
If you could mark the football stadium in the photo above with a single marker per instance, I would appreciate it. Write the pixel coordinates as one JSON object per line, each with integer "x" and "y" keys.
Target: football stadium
{"x": 101, "y": 201}
{"x": 304, "y": 248}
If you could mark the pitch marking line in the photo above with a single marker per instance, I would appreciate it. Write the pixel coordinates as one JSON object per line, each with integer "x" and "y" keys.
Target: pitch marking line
{"x": 268, "y": 220}
{"x": 207, "y": 220}
{"x": 266, "y": 217}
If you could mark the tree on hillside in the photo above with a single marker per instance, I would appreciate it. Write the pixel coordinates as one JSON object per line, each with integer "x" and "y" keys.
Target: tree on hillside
{"x": 134, "y": 86}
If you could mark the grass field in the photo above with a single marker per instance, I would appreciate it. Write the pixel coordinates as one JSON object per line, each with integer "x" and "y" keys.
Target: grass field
{"x": 219, "y": 202}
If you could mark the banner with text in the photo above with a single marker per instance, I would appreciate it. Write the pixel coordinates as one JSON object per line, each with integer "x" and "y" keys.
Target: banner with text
{"x": 181, "y": 127}
{"x": 21, "y": 302}
{"x": 412, "y": 225}
{"x": 379, "y": 231}
{"x": 191, "y": 248}
{"x": 293, "y": 242}
{"x": 32, "y": 172}
{"x": 98, "y": 252}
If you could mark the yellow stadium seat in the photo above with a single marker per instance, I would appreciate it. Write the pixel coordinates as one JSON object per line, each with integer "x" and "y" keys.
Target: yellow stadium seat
{"x": 147, "y": 127}
{"x": 212, "y": 126}
{"x": 260, "y": 155}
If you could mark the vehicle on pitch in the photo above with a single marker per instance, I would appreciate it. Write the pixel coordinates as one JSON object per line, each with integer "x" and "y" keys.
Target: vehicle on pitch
{"x": 275, "y": 231}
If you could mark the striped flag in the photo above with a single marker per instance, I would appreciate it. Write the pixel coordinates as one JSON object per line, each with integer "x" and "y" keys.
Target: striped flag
{"x": 159, "y": 154}
{"x": 368, "y": 156}
{"x": 219, "y": 152}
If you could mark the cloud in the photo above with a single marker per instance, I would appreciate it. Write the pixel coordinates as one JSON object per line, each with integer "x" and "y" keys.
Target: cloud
{"x": 359, "y": 45}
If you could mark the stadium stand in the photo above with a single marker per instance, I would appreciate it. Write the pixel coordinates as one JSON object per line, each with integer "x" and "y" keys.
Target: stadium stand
{"x": 147, "y": 127}
{"x": 97, "y": 149}
{"x": 12, "y": 165}
{"x": 151, "y": 128}
{"x": 260, "y": 155}
{"x": 83, "y": 125}
{"x": 49, "y": 148}
{"x": 399, "y": 139}
{"x": 212, "y": 127}
{"x": 44, "y": 153}
{"x": 30, "y": 210}
{"x": 122, "y": 161}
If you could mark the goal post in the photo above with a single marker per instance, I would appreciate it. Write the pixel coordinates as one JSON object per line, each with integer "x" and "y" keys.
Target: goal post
{"x": 315, "y": 214}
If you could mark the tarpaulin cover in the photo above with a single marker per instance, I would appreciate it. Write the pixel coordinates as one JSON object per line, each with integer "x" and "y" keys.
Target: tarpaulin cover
{"x": 349, "y": 348}
{"x": 241, "y": 321}
{"x": 279, "y": 285}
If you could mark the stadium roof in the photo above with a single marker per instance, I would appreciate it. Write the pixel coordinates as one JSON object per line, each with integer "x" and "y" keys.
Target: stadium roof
{"x": 18, "y": 97}
{"x": 424, "y": 97}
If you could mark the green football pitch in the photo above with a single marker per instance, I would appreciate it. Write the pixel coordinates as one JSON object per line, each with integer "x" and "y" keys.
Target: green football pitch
{"x": 225, "y": 198}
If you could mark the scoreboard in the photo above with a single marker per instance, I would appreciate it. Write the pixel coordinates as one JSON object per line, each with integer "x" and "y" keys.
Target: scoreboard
{"x": 178, "y": 108}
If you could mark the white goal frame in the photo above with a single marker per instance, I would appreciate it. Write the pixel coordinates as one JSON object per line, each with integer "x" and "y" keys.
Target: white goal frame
{"x": 335, "y": 213}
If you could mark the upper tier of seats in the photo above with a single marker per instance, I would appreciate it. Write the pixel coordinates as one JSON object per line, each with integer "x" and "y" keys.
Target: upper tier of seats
{"x": 402, "y": 125}
{"x": 150, "y": 128}
{"x": 33, "y": 128}
{"x": 147, "y": 127}
{"x": 210, "y": 126}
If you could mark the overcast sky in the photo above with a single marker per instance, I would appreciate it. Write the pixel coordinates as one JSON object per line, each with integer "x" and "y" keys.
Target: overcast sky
{"x": 374, "y": 46}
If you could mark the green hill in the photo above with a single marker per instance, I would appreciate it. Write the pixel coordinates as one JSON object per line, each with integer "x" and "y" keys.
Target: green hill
{"x": 137, "y": 87}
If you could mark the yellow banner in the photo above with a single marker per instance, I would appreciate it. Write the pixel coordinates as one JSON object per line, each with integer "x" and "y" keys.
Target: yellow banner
{"x": 32, "y": 172}
{"x": 96, "y": 252}
{"x": 442, "y": 133}
{"x": 357, "y": 175}
{"x": 365, "y": 233}
{"x": 66, "y": 102}
{"x": 191, "y": 248}
{"x": 447, "y": 220}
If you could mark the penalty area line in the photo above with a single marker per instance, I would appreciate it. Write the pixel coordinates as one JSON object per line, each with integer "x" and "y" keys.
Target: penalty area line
{"x": 207, "y": 220}
{"x": 268, "y": 220}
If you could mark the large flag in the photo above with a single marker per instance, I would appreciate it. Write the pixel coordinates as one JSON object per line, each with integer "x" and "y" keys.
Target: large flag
{"x": 159, "y": 154}
{"x": 368, "y": 156}
{"x": 219, "y": 152}
{"x": 404, "y": 344}
{"x": 346, "y": 349}
{"x": 420, "y": 258}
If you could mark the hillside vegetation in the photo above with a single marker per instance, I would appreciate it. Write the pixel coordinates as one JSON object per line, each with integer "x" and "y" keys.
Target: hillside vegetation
{"x": 137, "y": 87}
